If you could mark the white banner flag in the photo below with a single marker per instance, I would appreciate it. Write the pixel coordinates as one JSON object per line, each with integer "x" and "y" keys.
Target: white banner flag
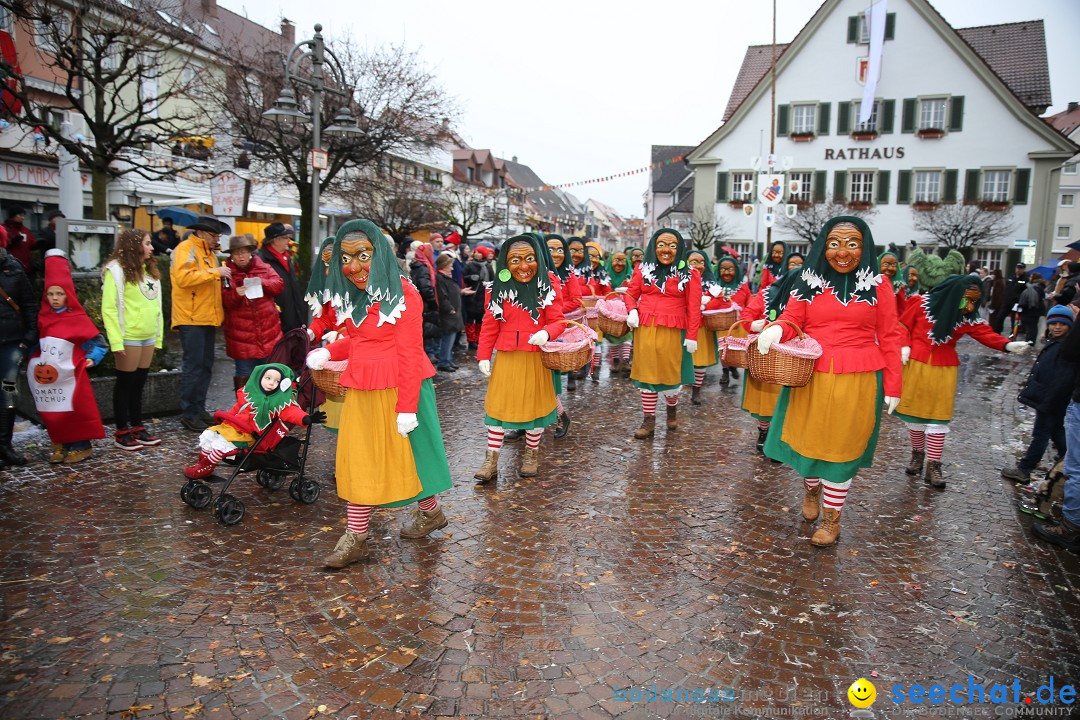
{"x": 875, "y": 16}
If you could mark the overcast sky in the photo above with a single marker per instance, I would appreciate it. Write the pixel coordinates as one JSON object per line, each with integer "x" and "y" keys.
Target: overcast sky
{"x": 582, "y": 89}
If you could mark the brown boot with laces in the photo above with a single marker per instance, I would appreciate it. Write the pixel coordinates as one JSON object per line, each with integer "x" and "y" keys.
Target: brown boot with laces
{"x": 811, "y": 503}
{"x": 350, "y": 548}
{"x": 914, "y": 467}
{"x": 490, "y": 469}
{"x": 830, "y": 528}
{"x": 530, "y": 460}
{"x": 672, "y": 420}
{"x": 933, "y": 475}
{"x": 647, "y": 429}
{"x": 424, "y": 523}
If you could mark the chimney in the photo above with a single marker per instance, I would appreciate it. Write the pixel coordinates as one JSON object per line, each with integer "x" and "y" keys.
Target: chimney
{"x": 288, "y": 31}
{"x": 209, "y": 8}
{"x": 1072, "y": 106}
{"x": 513, "y": 159}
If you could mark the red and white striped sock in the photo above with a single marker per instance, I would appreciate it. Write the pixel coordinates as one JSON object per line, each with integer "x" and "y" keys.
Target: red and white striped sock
{"x": 215, "y": 456}
{"x": 918, "y": 439}
{"x": 648, "y": 402}
{"x": 532, "y": 438}
{"x": 835, "y": 494}
{"x": 699, "y": 376}
{"x": 671, "y": 398}
{"x": 357, "y": 517}
{"x": 625, "y": 350}
{"x": 558, "y": 404}
{"x": 935, "y": 445}
{"x": 429, "y": 504}
{"x": 763, "y": 424}
{"x": 495, "y": 438}
{"x": 811, "y": 483}
{"x": 596, "y": 358}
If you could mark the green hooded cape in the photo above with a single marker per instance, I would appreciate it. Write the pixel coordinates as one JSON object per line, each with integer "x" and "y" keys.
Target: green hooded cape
{"x": 563, "y": 271}
{"x": 732, "y": 287}
{"x": 384, "y": 284}
{"x": 897, "y": 281}
{"x": 709, "y": 281}
{"x": 532, "y": 296}
{"x": 657, "y": 274}
{"x": 583, "y": 269}
{"x": 942, "y": 306}
{"x": 317, "y": 293}
{"x": 777, "y": 294}
{"x": 817, "y": 275}
{"x": 617, "y": 279}
{"x": 777, "y": 269}
{"x": 268, "y": 406}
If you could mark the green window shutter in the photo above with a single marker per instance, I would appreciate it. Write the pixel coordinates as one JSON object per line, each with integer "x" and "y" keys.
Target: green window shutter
{"x": 883, "y": 187}
{"x": 888, "y": 116}
{"x": 951, "y": 179}
{"x": 956, "y": 113}
{"x": 903, "y": 187}
{"x": 819, "y": 186}
{"x": 890, "y": 26}
{"x": 1020, "y": 192}
{"x": 824, "y": 111}
{"x": 783, "y": 112}
{"x": 971, "y": 186}
{"x": 840, "y": 186}
{"x": 907, "y": 116}
{"x": 853, "y": 28}
{"x": 843, "y": 118}
{"x": 722, "y": 187}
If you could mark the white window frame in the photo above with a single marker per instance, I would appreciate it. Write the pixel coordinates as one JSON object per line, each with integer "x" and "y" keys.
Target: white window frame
{"x": 931, "y": 181}
{"x": 862, "y": 36}
{"x": 1070, "y": 169}
{"x": 868, "y": 184}
{"x": 924, "y": 104}
{"x": 737, "y": 178}
{"x": 1058, "y": 235}
{"x": 807, "y": 109}
{"x": 7, "y": 21}
{"x": 43, "y": 33}
{"x": 254, "y": 89}
{"x": 872, "y": 124}
{"x": 988, "y": 258}
{"x": 1072, "y": 200}
{"x": 806, "y": 192}
{"x": 999, "y": 183}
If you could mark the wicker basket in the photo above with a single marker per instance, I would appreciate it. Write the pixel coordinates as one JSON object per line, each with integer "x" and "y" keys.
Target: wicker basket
{"x": 568, "y": 359}
{"x": 588, "y": 301}
{"x": 591, "y": 314}
{"x": 328, "y": 378}
{"x": 790, "y": 364}
{"x": 609, "y": 325}
{"x": 733, "y": 349}
{"x": 719, "y": 320}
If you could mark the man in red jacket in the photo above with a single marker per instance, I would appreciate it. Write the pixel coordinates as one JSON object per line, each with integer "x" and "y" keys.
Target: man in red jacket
{"x": 20, "y": 241}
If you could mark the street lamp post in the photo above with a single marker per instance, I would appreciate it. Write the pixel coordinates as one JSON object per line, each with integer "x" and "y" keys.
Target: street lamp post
{"x": 286, "y": 109}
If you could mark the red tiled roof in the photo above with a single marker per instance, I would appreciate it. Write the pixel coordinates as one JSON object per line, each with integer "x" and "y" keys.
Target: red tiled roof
{"x": 1065, "y": 121}
{"x": 1017, "y": 53}
{"x": 755, "y": 65}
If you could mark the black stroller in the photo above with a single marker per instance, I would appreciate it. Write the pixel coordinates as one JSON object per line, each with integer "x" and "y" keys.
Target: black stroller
{"x": 275, "y": 455}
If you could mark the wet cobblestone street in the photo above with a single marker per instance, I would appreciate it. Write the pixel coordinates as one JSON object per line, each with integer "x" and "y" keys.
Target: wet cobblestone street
{"x": 681, "y": 561}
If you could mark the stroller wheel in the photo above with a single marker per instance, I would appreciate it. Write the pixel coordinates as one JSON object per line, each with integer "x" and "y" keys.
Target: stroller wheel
{"x": 270, "y": 479}
{"x": 229, "y": 509}
{"x": 185, "y": 489}
{"x": 294, "y": 488}
{"x": 198, "y": 495}
{"x": 309, "y": 491}
{"x": 261, "y": 478}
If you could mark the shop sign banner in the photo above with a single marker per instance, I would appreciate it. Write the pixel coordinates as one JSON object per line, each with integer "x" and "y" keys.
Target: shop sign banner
{"x": 229, "y": 194}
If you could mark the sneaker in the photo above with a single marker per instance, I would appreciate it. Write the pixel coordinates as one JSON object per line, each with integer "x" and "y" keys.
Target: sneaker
{"x": 1064, "y": 534}
{"x": 145, "y": 438}
{"x": 1017, "y": 475}
{"x": 126, "y": 441}
{"x": 194, "y": 424}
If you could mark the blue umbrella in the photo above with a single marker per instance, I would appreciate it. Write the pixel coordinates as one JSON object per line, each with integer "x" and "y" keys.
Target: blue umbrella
{"x": 178, "y": 216}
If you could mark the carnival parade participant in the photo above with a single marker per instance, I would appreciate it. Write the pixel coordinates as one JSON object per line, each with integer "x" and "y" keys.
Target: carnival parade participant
{"x": 599, "y": 285}
{"x": 581, "y": 269}
{"x": 546, "y": 245}
{"x": 524, "y": 311}
{"x": 712, "y": 298}
{"x": 759, "y": 398}
{"x": 930, "y": 331}
{"x": 619, "y": 273}
{"x": 324, "y": 326}
{"x": 889, "y": 266}
{"x": 635, "y": 255}
{"x": 736, "y": 290}
{"x": 773, "y": 267}
{"x": 664, "y": 300}
{"x": 390, "y": 450}
{"x": 840, "y": 300}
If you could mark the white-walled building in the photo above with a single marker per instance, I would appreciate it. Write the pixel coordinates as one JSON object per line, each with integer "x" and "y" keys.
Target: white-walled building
{"x": 955, "y": 120}
{"x": 1067, "y": 220}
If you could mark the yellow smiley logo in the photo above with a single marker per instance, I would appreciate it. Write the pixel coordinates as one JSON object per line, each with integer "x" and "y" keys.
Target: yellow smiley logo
{"x": 862, "y": 693}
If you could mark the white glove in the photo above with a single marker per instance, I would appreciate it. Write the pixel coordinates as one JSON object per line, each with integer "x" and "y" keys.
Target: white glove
{"x": 690, "y": 345}
{"x": 704, "y": 301}
{"x": 632, "y": 319}
{"x": 332, "y": 336}
{"x": 406, "y": 423}
{"x": 905, "y": 354}
{"x": 310, "y": 334}
{"x": 767, "y": 337}
{"x": 757, "y": 326}
{"x": 891, "y": 403}
{"x": 316, "y": 359}
{"x": 485, "y": 367}
{"x": 1018, "y": 346}
{"x": 539, "y": 338}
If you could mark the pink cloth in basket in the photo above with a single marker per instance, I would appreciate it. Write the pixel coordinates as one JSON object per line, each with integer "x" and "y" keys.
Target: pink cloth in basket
{"x": 732, "y": 308}
{"x": 806, "y": 348}
{"x": 572, "y": 338}
{"x": 615, "y": 309}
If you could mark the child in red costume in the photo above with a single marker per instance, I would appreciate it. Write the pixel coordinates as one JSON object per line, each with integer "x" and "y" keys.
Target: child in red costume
{"x": 69, "y": 344}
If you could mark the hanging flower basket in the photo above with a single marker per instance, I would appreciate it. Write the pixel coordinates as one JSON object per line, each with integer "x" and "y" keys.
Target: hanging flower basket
{"x": 802, "y": 137}
{"x": 930, "y": 133}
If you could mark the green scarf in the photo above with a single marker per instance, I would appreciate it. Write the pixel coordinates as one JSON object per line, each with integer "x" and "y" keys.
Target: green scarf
{"x": 583, "y": 269}
{"x": 942, "y": 306}
{"x": 533, "y": 296}
{"x": 732, "y": 287}
{"x": 617, "y": 279}
{"x": 630, "y": 252}
{"x": 709, "y": 281}
{"x": 317, "y": 293}
{"x": 563, "y": 271}
{"x": 656, "y": 274}
{"x": 384, "y": 284}
{"x": 777, "y": 269}
{"x": 817, "y": 275}
{"x": 897, "y": 283}
{"x": 266, "y": 406}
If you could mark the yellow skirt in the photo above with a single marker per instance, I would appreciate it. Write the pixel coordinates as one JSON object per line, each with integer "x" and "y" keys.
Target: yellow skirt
{"x": 375, "y": 465}
{"x": 658, "y": 353}
{"x": 834, "y": 417}
{"x": 929, "y": 392}
{"x": 705, "y": 356}
{"x": 759, "y": 399}
{"x": 332, "y": 407}
{"x": 237, "y": 437}
{"x": 520, "y": 389}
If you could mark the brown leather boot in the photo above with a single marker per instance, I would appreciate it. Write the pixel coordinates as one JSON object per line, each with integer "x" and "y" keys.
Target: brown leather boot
{"x": 529, "y": 461}
{"x": 695, "y": 395}
{"x": 811, "y": 502}
{"x": 672, "y": 420}
{"x": 239, "y": 381}
{"x": 933, "y": 475}
{"x": 350, "y": 547}
{"x": 424, "y": 523}
{"x": 647, "y": 429}
{"x": 58, "y": 453}
{"x": 490, "y": 469}
{"x": 830, "y": 528}
{"x": 914, "y": 467}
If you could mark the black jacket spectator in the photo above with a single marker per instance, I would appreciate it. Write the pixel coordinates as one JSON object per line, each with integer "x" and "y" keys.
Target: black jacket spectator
{"x": 21, "y": 325}
{"x": 421, "y": 278}
{"x": 1013, "y": 287}
{"x": 1051, "y": 380}
{"x": 291, "y": 300}
{"x": 477, "y": 272}
{"x": 451, "y": 319}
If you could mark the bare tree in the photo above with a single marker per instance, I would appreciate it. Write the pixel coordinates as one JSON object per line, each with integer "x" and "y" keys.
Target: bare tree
{"x": 467, "y": 210}
{"x": 399, "y": 206}
{"x": 808, "y": 221}
{"x": 959, "y": 226}
{"x": 123, "y": 72}
{"x": 390, "y": 88}
{"x": 706, "y": 230}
